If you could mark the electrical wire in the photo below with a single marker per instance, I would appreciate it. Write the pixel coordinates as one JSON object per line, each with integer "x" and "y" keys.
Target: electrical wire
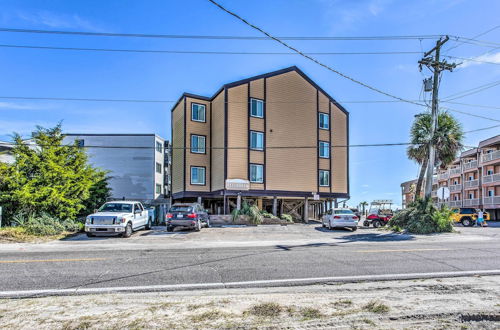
{"x": 201, "y": 52}
{"x": 222, "y": 37}
{"x": 312, "y": 58}
{"x": 476, "y": 36}
{"x": 471, "y": 91}
{"x": 473, "y": 59}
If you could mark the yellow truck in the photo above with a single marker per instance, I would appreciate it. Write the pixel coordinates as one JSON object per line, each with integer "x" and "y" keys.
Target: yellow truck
{"x": 467, "y": 215}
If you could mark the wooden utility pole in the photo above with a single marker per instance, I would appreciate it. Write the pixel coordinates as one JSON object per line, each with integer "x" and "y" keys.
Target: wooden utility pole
{"x": 436, "y": 67}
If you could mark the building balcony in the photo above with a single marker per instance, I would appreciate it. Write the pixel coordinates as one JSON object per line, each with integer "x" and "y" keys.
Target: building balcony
{"x": 471, "y": 202}
{"x": 443, "y": 176}
{"x": 492, "y": 178}
{"x": 455, "y": 171}
{"x": 471, "y": 184}
{"x": 434, "y": 194}
{"x": 488, "y": 157}
{"x": 455, "y": 187}
{"x": 470, "y": 165}
{"x": 457, "y": 203}
{"x": 491, "y": 200}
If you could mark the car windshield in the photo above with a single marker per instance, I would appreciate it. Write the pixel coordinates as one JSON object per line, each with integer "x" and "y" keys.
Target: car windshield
{"x": 180, "y": 208}
{"x": 343, "y": 212}
{"x": 116, "y": 207}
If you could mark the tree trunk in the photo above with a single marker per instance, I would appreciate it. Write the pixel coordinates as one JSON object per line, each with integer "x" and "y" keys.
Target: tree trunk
{"x": 420, "y": 181}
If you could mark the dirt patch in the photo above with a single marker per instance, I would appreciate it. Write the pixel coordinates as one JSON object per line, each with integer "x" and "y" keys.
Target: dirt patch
{"x": 369, "y": 305}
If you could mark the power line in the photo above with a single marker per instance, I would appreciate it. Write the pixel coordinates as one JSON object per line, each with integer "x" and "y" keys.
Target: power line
{"x": 472, "y": 91}
{"x": 476, "y": 36}
{"x": 201, "y": 52}
{"x": 482, "y": 129}
{"x": 312, "y": 58}
{"x": 472, "y": 105}
{"x": 221, "y": 37}
{"x": 470, "y": 114}
{"x": 472, "y": 59}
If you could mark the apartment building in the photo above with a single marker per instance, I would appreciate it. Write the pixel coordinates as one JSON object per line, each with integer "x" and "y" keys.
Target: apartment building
{"x": 408, "y": 192}
{"x": 267, "y": 139}
{"x": 138, "y": 165}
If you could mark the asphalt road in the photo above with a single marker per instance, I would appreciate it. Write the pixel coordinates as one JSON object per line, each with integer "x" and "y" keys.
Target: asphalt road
{"x": 127, "y": 266}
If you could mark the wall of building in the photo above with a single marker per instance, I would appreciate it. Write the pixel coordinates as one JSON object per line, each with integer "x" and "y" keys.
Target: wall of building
{"x": 218, "y": 119}
{"x": 178, "y": 168}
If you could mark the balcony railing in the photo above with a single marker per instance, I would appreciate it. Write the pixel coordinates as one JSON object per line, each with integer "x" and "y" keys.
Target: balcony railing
{"x": 471, "y": 184}
{"x": 443, "y": 176}
{"x": 470, "y": 165}
{"x": 457, "y": 203}
{"x": 491, "y": 156}
{"x": 456, "y": 187}
{"x": 491, "y": 178}
{"x": 434, "y": 193}
{"x": 455, "y": 171}
{"x": 471, "y": 202}
{"x": 493, "y": 200}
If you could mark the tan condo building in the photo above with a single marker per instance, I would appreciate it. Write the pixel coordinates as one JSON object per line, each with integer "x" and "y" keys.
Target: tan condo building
{"x": 277, "y": 140}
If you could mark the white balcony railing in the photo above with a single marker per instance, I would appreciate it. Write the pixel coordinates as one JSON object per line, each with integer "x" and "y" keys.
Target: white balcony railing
{"x": 455, "y": 171}
{"x": 457, "y": 203}
{"x": 470, "y": 165}
{"x": 471, "y": 184}
{"x": 471, "y": 202}
{"x": 456, "y": 187}
{"x": 491, "y": 178}
{"x": 490, "y": 156}
{"x": 493, "y": 200}
{"x": 443, "y": 176}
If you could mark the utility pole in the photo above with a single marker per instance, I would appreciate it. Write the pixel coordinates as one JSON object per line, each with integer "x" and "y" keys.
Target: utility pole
{"x": 436, "y": 67}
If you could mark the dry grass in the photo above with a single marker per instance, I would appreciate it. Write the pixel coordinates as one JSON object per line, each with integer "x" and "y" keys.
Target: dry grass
{"x": 19, "y": 235}
{"x": 267, "y": 309}
{"x": 378, "y": 307}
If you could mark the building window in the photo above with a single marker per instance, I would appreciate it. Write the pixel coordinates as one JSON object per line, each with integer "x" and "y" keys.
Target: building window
{"x": 256, "y": 108}
{"x": 80, "y": 143}
{"x": 471, "y": 196}
{"x": 256, "y": 173}
{"x": 491, "y": 193}
{"x": 198, "y": 175}
{"x": 324, "y": 178}
{"x": 256, "y": 140}
{"x": 324, "y": 120}
{"x": 158, "y": 168}
{"x": 324, "y": 149}
{"x": 158, "y": 188}
{"x": 198, "y": 144}
{"x": 490, "y": 172}
{"x": 159, "y": 146}
{"x": 198, "y": 112}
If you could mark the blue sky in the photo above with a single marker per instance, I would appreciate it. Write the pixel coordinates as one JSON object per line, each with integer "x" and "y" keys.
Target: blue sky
{"x": 376, "y": 173}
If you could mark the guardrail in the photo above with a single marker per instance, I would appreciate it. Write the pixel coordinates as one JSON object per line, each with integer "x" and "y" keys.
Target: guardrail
{"x": 470, "y": 165}
{"x": 490, "y": 156}
{"x": 471, "y": 184}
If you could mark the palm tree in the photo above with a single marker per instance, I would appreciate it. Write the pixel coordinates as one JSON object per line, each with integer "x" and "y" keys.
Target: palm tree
{"x": 447, "y": 140}
{"x": 363, "y": 206}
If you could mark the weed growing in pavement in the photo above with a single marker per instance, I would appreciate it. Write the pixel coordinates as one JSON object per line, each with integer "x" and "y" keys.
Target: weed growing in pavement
{"x": 343, "y": 303}
{"x": 269, "y": 309}
{"x": 309, "y": 313}
{"x": 208, "y": 316}
{"x": 367, "y": 321}
{"x": 378, "y": 307}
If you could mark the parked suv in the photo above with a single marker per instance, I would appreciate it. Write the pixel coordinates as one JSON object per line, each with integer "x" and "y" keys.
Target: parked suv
{"x": 120, "y": 217}
{"x": 467, "y": 215}
{"x": 191, "y": 215}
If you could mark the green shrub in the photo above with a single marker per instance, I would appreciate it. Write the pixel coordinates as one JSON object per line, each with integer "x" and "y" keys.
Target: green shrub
{"x": 44, "y": 224}
{"x": 287, "y": 217}
{"x": 422, "y": 217}
{"x": 266, "y": 214}
{"x": 252, "y": 211}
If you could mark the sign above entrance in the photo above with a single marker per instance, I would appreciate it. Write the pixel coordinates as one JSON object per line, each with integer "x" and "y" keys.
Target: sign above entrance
{"x": 237, "y": 184}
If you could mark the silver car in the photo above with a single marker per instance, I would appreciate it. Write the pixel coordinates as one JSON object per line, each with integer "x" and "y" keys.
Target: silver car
{"x": 340, "y": 218}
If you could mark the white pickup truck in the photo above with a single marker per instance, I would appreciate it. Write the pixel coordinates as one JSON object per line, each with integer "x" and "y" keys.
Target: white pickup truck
{"x": 118, "y": 217}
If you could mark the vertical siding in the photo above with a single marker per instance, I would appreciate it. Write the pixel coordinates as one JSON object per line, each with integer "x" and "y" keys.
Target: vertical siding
{"x": 178, "y": 144}
{"x": 292, "y": 117}
{"x": 218, "y": 142}
{"x": 237, "y": 159}
{"x": 339, "y": 154}
{"x": 192, "y": 159}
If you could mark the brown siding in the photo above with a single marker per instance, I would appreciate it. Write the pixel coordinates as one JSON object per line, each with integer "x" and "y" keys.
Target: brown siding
{"x": 292, "y": 123}
{"x": 237, "y": 137}
{"x": 256, "y": 124}
{"x": 256, "y": 157}
{"x": 218, "y": 142}
{"x": 257, "y": 89}
{"x": 324, "y": 163}
{"x": 178, "y": 144}
{"x": 338, "y": 174}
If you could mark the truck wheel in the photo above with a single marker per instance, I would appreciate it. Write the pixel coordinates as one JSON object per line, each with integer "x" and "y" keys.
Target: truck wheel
{"x": 366, "y": 223}
{"x": 148, "y": 225}
{"x": 89, "y": 234}
{"x": 467, "y": 222}
{"x": 354, "y": 228}
{"x": 170, "y": 228}
{"x": 128, "y": 231}
{"x": 377, "y": 224}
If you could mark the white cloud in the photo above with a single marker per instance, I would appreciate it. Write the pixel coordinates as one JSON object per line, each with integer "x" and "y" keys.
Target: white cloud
{"x": 490, "y": 58}
{"x": 57, "y": 20}
{"x": 365, "y": 185}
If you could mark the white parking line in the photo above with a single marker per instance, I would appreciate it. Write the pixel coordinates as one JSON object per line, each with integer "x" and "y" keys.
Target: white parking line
{"x": 245, "y": 284}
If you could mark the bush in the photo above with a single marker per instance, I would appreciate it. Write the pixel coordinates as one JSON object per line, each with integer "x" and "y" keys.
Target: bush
{"x": 287, "y": 217}
{"x": 44, "y": 224}
{"x": 422, "y": 217}
{"x": 252, "y": 211}
{"x": 266, "y": 214}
